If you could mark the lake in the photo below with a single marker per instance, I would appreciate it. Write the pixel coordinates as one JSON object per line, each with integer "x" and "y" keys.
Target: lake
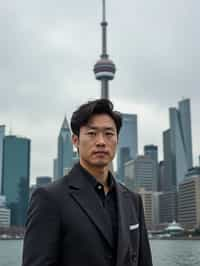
{"x": 165, "y": 252}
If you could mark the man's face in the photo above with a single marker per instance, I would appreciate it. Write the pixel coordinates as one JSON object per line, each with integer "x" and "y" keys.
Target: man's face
{"x": 97, "y": 141}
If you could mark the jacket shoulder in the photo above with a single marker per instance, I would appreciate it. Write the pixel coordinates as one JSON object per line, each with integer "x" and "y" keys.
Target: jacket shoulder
{"x": 53, "y": 191}
{"x": 127, "y": 190}
{"x": 134, "y": 196}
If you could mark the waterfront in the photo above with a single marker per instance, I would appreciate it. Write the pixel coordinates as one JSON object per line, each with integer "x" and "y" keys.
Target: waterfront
{"x": 165, "y": 252}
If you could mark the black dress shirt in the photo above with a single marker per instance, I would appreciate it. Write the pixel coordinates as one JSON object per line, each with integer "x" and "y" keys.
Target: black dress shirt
{"x": 109, "y": 202}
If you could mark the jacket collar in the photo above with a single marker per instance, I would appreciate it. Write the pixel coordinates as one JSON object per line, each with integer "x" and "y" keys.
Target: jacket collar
{"x": 123, "y": 205}
{"x": 84, "y": 194}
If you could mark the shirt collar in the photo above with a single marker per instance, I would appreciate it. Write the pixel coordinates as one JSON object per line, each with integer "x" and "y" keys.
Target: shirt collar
{"x": 92, "y": 180}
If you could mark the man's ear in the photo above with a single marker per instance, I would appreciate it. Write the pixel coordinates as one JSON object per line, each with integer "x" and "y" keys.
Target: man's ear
{"x": 75, "y": 140}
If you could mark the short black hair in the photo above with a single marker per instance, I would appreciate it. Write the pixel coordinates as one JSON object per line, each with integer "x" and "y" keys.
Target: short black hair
{"x": 83, "y": 114}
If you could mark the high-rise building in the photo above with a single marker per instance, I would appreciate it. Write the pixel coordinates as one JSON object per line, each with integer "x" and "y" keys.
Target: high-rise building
{"x": 189, "y": 200}
{"x": 42, "y": 181}
{"x": 178, "y": 145}
{"x": 104, "y": 69}
{"x": 16, "y": 175}
{"x": 156, "y": 208}
{"x": 147, "y": 199}
{"x": 161, "y": 177}
{"x": 2, "y": 201}
{"x": 2, "y": 135}
{"x": 4, "y": 217}
{"x": 151, "y": 207}
{"x": 181, "y": 139}
{"x": 169, "y": 178}
{"x": 139, "y": 173}
{"x": 4, "y": 213}
{"x": 151, "y": 151}
{"x": 65, "y": 150}
{"x": 127, "y": 144}
{"x": 168, "y": 207}
{"x": 55, "y": 168}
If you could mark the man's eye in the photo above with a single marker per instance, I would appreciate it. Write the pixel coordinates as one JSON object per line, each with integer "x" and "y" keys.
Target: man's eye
{"x": 109, "y": 133}
{"x": 91, "y": 133}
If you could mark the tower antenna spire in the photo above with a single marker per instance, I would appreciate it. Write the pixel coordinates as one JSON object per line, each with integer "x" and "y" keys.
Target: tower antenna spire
{"x": 104, "y": 69}
{"x": 104, "y": 32}
{"x": 104, "y": 10}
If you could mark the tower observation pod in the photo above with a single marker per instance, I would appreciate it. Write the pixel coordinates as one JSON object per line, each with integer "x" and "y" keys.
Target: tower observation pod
{"x": 104, "y": 69}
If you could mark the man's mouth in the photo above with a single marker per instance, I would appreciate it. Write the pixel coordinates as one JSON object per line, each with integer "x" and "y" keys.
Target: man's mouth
{"x": 100, "y": 153}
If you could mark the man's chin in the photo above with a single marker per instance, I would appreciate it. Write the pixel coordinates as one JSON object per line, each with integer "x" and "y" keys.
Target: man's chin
{"x": 101, "y": 164}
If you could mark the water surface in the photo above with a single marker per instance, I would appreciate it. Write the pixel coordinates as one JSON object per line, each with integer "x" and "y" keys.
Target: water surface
{"x": 165, "y": 252}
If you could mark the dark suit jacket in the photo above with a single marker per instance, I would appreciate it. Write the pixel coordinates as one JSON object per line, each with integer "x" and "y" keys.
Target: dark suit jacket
{"x": 67, "y": 226}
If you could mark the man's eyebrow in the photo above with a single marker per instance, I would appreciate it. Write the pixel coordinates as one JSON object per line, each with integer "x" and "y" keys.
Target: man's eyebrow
{"x": 104, "y": 128}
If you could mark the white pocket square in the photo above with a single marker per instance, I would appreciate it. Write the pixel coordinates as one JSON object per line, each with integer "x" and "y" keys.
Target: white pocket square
{"x": 133, "y": 226}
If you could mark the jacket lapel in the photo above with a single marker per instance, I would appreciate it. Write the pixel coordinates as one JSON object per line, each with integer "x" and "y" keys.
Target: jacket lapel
{"x": 123, "y": 202}
{"x": 84, "y": 194}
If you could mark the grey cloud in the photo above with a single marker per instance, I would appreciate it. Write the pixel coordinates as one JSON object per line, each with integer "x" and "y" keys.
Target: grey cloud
{"x": 48, "y": 49}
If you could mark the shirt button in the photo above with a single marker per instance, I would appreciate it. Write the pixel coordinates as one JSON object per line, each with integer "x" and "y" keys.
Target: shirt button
{"x": 99, "y": 187}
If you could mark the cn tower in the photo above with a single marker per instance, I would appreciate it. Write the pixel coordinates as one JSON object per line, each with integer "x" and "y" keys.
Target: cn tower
{"x": 104, "y": 69}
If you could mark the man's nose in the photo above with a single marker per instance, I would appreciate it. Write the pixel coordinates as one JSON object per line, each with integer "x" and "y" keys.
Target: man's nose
{"x": 100, "y": 139}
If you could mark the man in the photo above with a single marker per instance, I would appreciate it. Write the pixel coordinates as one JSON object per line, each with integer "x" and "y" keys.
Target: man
{"x": 86, "y": 218}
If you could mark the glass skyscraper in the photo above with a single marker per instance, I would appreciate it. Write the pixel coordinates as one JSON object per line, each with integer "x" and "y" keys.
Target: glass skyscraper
{"x": 151, "y": 151}
{"x": 128, "y": 143}
{"x": 181, "y": 139}
{"x": 64, "y": 160}
{"x": 178, "y": 144}
{"x": 16, "y": 175}
{"x": 2, "y": 134}
{"x": 169, "y": 168}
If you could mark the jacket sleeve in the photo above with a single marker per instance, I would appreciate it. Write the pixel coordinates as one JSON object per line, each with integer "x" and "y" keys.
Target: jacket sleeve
{"x": 41, "y": 242}
{"x": 145, "y": 258}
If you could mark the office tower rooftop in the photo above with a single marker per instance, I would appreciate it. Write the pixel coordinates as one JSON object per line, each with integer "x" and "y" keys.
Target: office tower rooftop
{"x": 192, "y": 172}
{"x": 151, "y": 151}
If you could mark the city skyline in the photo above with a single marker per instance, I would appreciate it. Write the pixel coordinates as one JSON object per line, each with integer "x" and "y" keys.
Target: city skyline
{"x": 43, "y": 54}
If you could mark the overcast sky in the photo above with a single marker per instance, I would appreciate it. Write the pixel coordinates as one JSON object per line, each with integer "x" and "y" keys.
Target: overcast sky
{"x": 48, "y": 50}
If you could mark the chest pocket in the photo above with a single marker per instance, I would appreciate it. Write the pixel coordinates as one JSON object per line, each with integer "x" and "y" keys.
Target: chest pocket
{"x": 134, "y": 229}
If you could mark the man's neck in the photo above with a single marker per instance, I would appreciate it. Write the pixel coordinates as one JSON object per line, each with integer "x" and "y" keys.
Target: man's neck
{"x": 100, "y": 173}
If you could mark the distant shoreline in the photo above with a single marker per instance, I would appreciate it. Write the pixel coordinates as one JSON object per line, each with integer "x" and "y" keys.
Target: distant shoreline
{"x": 152, "y": 238}
{"x": 11, "y": 238}
{"x": 176, "y": 238}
